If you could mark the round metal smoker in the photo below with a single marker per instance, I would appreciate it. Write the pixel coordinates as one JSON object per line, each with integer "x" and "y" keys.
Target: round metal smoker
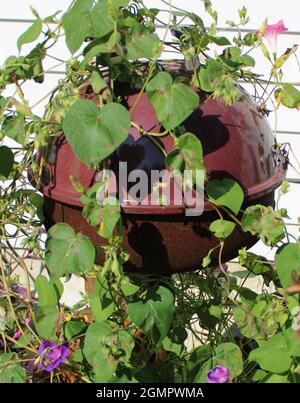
{"x": 237, "y": 143}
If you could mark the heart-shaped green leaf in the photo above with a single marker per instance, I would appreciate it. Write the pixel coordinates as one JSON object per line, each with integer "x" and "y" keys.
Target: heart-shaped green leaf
{"x": 288, "y": 96}
{"x": 227, "y": 193}
{"x": 84, "y": 19}
{"x": 99, "y": 46}
{"x": 287, "y": 261}
{"x": 273, "y": 355}
{"x": 68, "y": 252}
{"x": 95, "y": 134}
{"x": 222, "y": 228}
{"x": 148, "y": 313}
{"x": 102, "y": 345}
{"x": 264, "y": 222}
{"x": 208, "y": 78}
{"x": 188, "y": 154}
{"x": 142, "y": 44}
{"x": 96, "y": 343}
{"x": 14, "y": 128}
{"x": 10, "y": 370}
{"x": 173, "y": 101}
{"x": 230, "y": 356}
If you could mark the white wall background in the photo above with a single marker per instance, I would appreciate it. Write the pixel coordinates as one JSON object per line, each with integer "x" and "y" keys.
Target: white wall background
{"x": 289, "y": 120}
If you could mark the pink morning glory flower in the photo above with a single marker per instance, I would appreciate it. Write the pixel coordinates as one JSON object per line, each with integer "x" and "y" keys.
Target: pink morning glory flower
{"x": 272, "y": 31}
{"x": 51, "y": 355}
{"x": 218, "y": 374}
{"x": 18, "y": 333}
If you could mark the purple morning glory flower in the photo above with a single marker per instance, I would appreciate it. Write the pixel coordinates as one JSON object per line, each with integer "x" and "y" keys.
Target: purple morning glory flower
{"x": 218, "y": 374}
{"x": 51, "y": 355}
{"x": 21, "y": 291}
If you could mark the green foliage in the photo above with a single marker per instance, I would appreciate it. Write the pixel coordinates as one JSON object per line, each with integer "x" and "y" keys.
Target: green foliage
{"x": 68, "y": 252}
{"x": 227, "y": 193}
{"x": 232, "y": 59}
{"x": 276, "y": 354}
{"x": 209, "y": 77}
{"x": 175, "y": 341}
{"x": 110, "y": 217}
{"x": 49, "y": 292}
{"x": 218, "y": 75}
{"x": 10, "y": 372}
{"x": 174, "y": 101}
{"x": 46, "y": 320}
{"x": 14, "y": 128}
{"x": 85, "y": 19}
{"x": 222, "y": 228}
{"x": 261, "y": 318}
{"x": 103, "y": 213}
{"x": 6, "y": 161}
{"x": 195, "y": 361}
{"x": 228, "y": 355}
{"x": 264, "y": 222}
{"x": 23, "y": 68}
{"x": 101, "y": 302}
{"x": 146, "y": 313}
{"x": 31, "y": 34}
{"x": 288, "y": 96}
{"x": 105, "y": 347}
{"x": 187, "y": 155}
{"x": 98, "y": 46}
{"x": 142, "y": 44}
{"x": 128, "y": 288}
{"x": 287, "y": 261}
{"x": 74, "y": 328}
{"x": 256, "y": 264}
{"x": 95, "y": 134}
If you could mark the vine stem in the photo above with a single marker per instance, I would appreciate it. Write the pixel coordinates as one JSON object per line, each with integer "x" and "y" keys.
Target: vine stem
{"x": 58, "y": 86}
{"x": 144, "y": 133}
{"x": 31, "y": 349}
{"x": 153, "y": 62}
{"x": 11, "y": 307}
{"x": 24, "y": 267}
